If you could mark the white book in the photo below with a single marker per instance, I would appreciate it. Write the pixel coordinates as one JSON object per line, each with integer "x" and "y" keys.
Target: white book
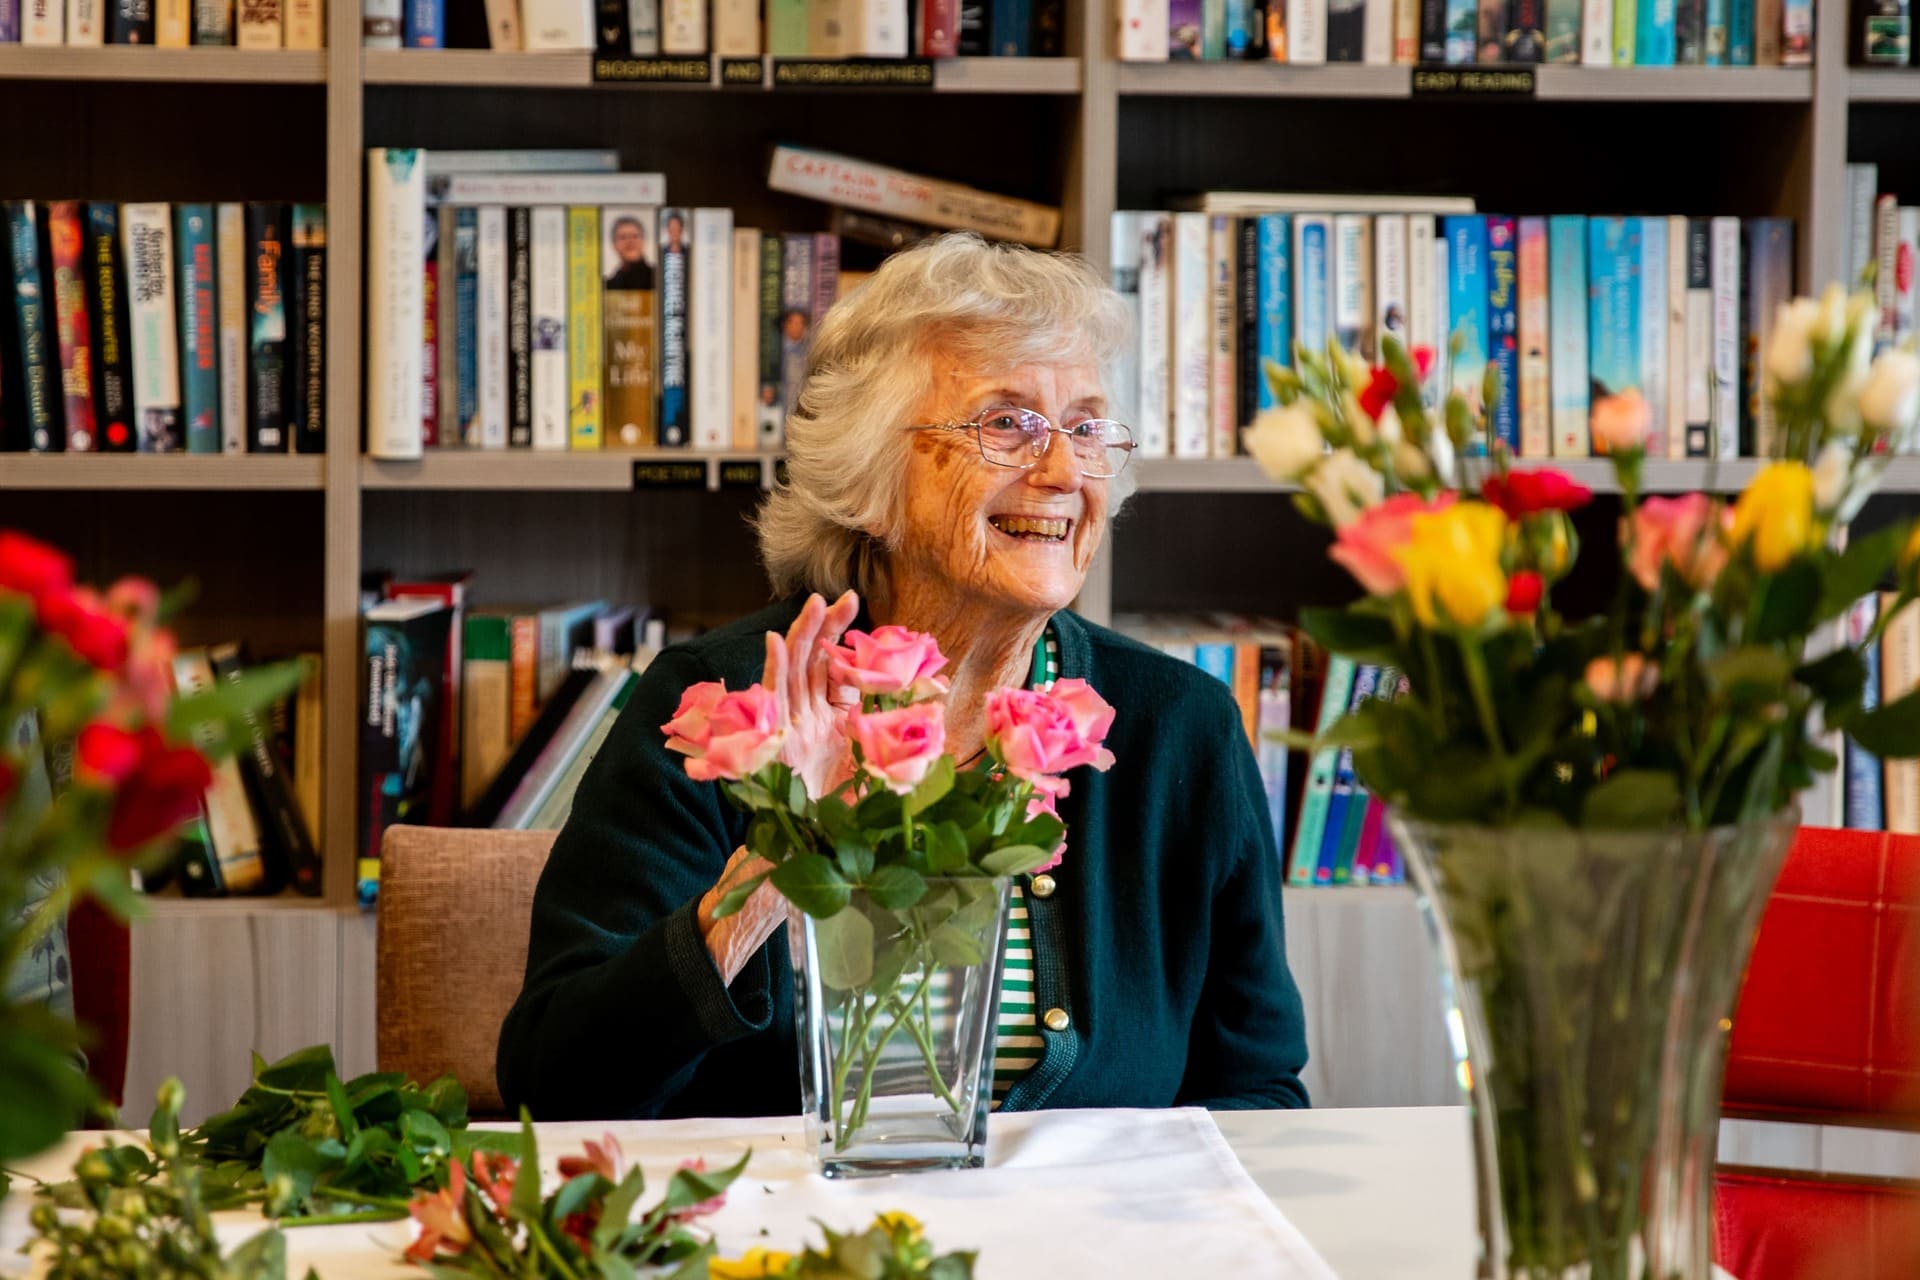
{"x": 1423, "y": 321}
{"x": 379, "y": 27}
{"x": 1863, "y": 184}
{"x": 1306, "y": 32}
{"x": 86, "y": 23}
{"x": 736, "y": 29}
{"x": 710, "y": 328}
{"x": 549, "y": 338}
{"x": 1533, "y": 257}
{"x": 1123, "y": 246}
{"x": 230, "y": 253}
{"x": 147, "y": 235}
{"x": 1156, "y": 335}
{"x": 858, "y": 184}
{"x": 643, "y": 27}
{"x": 683, "y": 28}
{"x": 43, "y": 22}
{"x": 490, "y": 327}
{"x": 1376, "y": 33}
{"x": 830, "y": 27}
{"x": 1596, "y": 32}
{"x": 744, "y": 352}
{"x": 1442, "y": 318}
{"x": 442, "y": 165}
{"x": 1886, "y": 249}
{"x": 1677, "y": 337}
{"x": 396, "y": 306}
{"x": 1224, "y": 370}
{"x": 1390, "y": 288}
{"x": 882, "y": 29}
{"x": 1243, "y": 203}
{"x": 1190, "y": 373}
{"x": 1353, "y": 282}
{"x": 304, "y": 22}
{"x": 1726, "y": 337}
{"x": 557, "y": 24}
{"x": 1700, "y": 352}
{"x": 552, "y": 188}
{"x": 1652, "y": 325}
{"x": 1142, "y": 30}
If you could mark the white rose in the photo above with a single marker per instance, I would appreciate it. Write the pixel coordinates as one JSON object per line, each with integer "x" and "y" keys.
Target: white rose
{"x": 1440, "y": 452}
{"x": 1830, "y": 325}
{"x": 1285, "y": 441}
{"x": 1830, "y": 471}
{"x": 1345, "y": 486}
{"x": 1790, "y": 346}
{"x": 1357, "y": 419}
{"x": 1388, "y": 427}
{"x": 1890, "y": 401}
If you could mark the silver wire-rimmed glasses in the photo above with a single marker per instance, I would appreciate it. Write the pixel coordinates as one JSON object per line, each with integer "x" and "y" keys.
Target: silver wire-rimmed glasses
{"x": 1019, "y": 438}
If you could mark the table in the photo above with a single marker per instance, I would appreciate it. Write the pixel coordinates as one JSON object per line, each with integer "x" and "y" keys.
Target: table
{"x": 1381, "y": 1194}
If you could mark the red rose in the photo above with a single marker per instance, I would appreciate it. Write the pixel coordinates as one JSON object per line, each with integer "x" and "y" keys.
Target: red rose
{"x": 1523, "y": 593}
{"x": 1526, "y": 493}
{"x": 77, "y": 615}
{"x": 6, "y": 781}
{"x": 108, "y": 754}
{"x": 164, "y": 792}
{"x": 32, "y": 568}
{"x": 1423, "y": 358}
{"x": 1379, "y": 392}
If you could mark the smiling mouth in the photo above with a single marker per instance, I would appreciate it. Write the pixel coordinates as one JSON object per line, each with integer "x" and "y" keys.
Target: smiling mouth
{"x": 1033, "y": 528}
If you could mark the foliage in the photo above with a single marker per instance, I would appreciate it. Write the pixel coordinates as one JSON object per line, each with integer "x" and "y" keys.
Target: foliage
{"x": 894, "y": 1247}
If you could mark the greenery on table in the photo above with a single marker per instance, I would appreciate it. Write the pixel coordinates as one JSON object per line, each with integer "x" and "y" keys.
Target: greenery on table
{"x": 894, "y": 1247}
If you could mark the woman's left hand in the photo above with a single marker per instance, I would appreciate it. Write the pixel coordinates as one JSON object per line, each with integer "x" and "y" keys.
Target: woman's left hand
{"x": 811, "y": 708}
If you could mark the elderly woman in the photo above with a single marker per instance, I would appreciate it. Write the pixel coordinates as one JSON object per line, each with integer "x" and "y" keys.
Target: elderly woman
{"x": 951, "y": 469}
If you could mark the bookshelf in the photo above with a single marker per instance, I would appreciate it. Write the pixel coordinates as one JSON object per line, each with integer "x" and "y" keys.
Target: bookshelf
{"x": 1085, "y": 132}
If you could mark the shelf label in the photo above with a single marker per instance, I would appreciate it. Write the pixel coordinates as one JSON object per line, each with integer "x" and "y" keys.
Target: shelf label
{"x": 748, "y": 72}
{"x": 853, "y": 73}
{"x": 740, "y": 474}
{"x": 1505, "y": 82}
{"x": 653, "y": 70}
{"x": 648, "y": 474}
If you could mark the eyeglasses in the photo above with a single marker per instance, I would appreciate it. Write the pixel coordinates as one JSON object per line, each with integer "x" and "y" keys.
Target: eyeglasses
{"x": 1019, "y": 438}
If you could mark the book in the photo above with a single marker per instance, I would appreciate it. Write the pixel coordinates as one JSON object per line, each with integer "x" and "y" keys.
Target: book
{"x": 233, "y": 830}
{"x": 404, "y": 647}
{"x": 859, "y": 184}
{"x": 744, "y": 339}
{"x": 584, "y": 327}
{"x": 267, "y": 419}
{"x": 1275, "y": 329}
{"x": 286, "y": 838}
{"x": 307, "y": 330}
{"x": 492, "y": 294}
{"x": 396, "y": 212}
{"x": 520, "y": 326}
{"x": 770, "y": 408}
{"x": 107, "y": 306}
{"x": 1567, "y": 327}
{"x": 629, "y": 323}
{"x": 39, "y": 358}
{"x": 199, "y": 334}
{"x": 1535, "y": 341}
{"x": 230, "y": 274}
{"x": 550, "y": 390}
{"x": 147, "y": 231}
{"x": 1503, "y": 327}
{"x": 73, "y": 331}
{"x": 710, "y": 328}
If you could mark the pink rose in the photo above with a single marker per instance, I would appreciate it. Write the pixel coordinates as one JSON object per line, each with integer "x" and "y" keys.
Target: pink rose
{"x": 1629, "y": 680}
{"x": 1044, "y": 803}
{"x": 1365, "y": 547}
{"x": 899, "y": 746}
{"x": 1091, "y": 714}
{"x": 1035, "y": 735}
{"x": 892, "y": 660}
{"x": 725, "y": 735}
{"x": 1620, "y": 422}
{"x": 1675, "y": 531}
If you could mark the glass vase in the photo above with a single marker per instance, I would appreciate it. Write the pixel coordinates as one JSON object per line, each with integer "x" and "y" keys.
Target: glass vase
{"x": 896, "y": 1009}
{"x": 1589, "y": 981}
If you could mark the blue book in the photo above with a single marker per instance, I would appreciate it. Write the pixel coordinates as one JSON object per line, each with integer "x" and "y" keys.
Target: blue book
{"x": 1467, "y": 307}
{"x": 1864, "y": 780}
{"x": 1503, "y": 327}
{"x": 1276, "y": 297}
{"x": 39, "y": 366}
{"x": 1216, "y": 659}
{"x": 1716, "y": 32}
{"x": 1010, "y": 23}
{"x": 1346, "y": 786}
{"x": 1654, "y": 34}
{"x": 1650, "y": 277}
{"x": 424, "y": 24}
{"x": 1740, "y": 33}
{"x": 466, "y": 325}
{"x": 1613, "y": 316}
{"x": 1463, "y": 31}
{"x": 1239, "y": 28}
{"x": 1313, "y": 262}
{"x": 1567, "y": 333}
{"x": 197, "y": 298}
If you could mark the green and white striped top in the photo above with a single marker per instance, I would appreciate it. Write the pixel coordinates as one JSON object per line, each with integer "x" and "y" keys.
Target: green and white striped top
{"x": 1017, "y": 1043}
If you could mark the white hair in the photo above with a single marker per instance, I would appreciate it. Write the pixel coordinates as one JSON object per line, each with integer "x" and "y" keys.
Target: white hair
{"x": 990, "y": 307}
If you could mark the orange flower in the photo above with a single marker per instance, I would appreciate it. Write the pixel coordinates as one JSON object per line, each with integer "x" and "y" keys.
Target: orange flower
{"x": 443, "y": 1218}
{"x": 603, "y": 1157}
{"x": 494, "y": 1173}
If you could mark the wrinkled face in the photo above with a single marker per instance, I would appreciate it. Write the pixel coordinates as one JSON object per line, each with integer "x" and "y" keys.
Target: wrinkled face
{"x": 997, "y": 536}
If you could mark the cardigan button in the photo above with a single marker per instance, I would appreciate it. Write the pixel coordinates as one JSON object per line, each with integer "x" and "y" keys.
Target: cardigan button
{"x": 1057, "y": 1020}
{"x": 1043, "y": 886}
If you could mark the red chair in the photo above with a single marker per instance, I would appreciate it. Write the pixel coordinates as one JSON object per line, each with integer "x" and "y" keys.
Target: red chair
{"x": 1827, "y": 1031}
{"x": 100, "y": 951}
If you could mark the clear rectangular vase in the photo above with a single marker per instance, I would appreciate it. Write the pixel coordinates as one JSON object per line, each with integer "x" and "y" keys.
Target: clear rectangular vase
{"x": 895, "y": 1010}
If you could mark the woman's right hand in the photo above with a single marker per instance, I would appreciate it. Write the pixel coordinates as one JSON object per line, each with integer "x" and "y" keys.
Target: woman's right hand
{"x": 733, "y": 940}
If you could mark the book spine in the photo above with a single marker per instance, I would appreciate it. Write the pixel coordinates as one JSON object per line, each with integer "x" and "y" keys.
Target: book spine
{"x": 465, "y": 391}
{"x": 1769, "y": 28}
{"x": 1433, "y": 32}
{"x": 1467, "y": 305}
{"x": 257, "y": 23}
{"x": 1123, "y": 265}
{"x": 67, "y": 253}
{"x": 433, "y": 285}
{"x": 302, "y": 26}
{"x": 1699, "y": 366}
{"x": 43, "y": 22}
{"x": 113, "y": 359}
{"x": 1425, "y": 323}
{"x": 973, "y": 40}
{"x": 1863, "y": 184}
{"x": 39, "y": 360}
{"x": 307, "y": 363}
{"x": 1352, "y": 281}
{"x": 835, "y": 179}
{"x": 1156, "y": 329}
{"x": 1690, "y": 33}
{"x": 1796, "y": 33}
{"x": 1725, "y": 235}
{"x": 675, "y": 263}
{"x": 1246, "y": 320}
{"x": 736, "y": 29}
{"x": 826, "y": 275}
{"x": 550, "y": 412}
{"x": 199, "y": 332}
{"x": 1768, "y": 253}
{"x": 396, "y": 212}
{"x": 939, "y": 28}
{"x": 1563, "y": 31}
{"x": 1142, "y": 28}
{"x": 172, "y": 24}
{"x": 559, "y": 24}
{"x": 1376, "y": 33}
{"x": 1192, "y": 331}
{"x": 129, "y": 22}
{"x": 1406, "y": 33}
{"x": 1865, "y": 809}
{"x": 710, "y": 326}
{"x": 267, "y": 422}
{"x": 613, "y": 37}
{"x": 233, "y": 831}
{"x": 1654, "y": 34}
{"x": 1526, "y": 31}
{"x": 1276, "y": 299}
{"x": 267, "y": 783}
{"x": 743, "y": 339}
{"x": 796, "y": 315}
{"x": 1716, "y": 32}
{"x": 1313, "y": 282}
{"x": 86, "y": 23}
{"x": 148, "y": 234}
{"x": 683, "y": 28}
{"x": 1614, "y": 318}
{"x": 629, "y": 320}
{"x": 1503, "y": 346}
{"x": 1626, "y": 32}
{"x": 1010, "y": 26}
{"x": 770, "y": 414}
{"x": 446, "y": 322}
{"x": 1389, "y": 317}
{"x": 786, "y": 28}
{"x": 423, "y": 24}
{"x": 491, "y": 287}
{"x": 1222, "y": 367}
{"x": 881, "y": 29}
{"x": 1345, "y": 27}
{"x": 1740, "y": 33}
{"x": 585, "y": 339}
{"x": 1886, "y": 247}
{"x": 1317, "y": 797}
{"x": 1536, "y": 393}
{"x": 1567, "y": 330}
{"x": 230, "y": 272}
{"x": 1596, "y": 32}
{"x": 1678, "y": 247}
{"x": 520, "y": 326}
{"x": 1651, "y": 322}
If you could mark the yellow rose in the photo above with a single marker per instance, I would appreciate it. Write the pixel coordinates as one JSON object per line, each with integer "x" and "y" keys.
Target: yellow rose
{"x": 1452, "y": 564}
{"x": 1776, "y": 515}
{"x": 897, "y": 1223}
{"x": 756, "y": 1265}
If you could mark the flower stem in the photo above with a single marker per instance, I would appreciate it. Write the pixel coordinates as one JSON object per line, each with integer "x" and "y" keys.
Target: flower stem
{"x": 1489, "y": 720}
{"x": 921, "y": 1029}
{"x": 553, "y": 1254}
{"x": 337, "y": 1219}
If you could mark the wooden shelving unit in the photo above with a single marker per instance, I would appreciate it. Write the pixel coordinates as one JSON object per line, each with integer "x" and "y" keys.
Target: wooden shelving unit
{"x": 172, "y": 471}
{"x": 184, "y": 66}
{"x": 547, "y": 70}
{"x": 464, "y": 469}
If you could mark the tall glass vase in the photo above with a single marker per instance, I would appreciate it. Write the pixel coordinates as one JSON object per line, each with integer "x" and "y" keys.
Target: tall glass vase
{"x": 1590, "y": 978}
{"x": 896, "y": 1008}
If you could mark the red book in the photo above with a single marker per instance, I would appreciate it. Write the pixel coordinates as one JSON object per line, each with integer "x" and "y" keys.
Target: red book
{"x": 67, "y": 242}
{"x": 430, "y": 354}
{"x": 939, "y": 28}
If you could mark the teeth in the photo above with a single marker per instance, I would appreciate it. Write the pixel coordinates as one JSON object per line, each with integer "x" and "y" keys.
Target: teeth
{"x": 1050, "y": 529}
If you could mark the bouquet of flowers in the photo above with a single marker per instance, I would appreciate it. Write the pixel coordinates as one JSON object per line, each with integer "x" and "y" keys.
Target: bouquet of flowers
{"x": 90, "y": 669}
{"x": 901, "y": 869}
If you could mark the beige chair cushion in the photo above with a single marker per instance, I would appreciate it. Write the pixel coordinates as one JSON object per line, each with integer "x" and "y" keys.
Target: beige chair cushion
{"x": 455, "y": 909}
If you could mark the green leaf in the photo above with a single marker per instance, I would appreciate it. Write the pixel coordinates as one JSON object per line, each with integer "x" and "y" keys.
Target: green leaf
{"x": 525, "y": 1205}
{"x": 448, "y": 1102}
{"x": 932, "y": 788}
{"x": 45, "y": 1091}
{"x": 689, "y": 1187}
{"x": 955, "y": 948}
{"x": 811, "y": 883}
{"x": 844, "y": 942}
{"x": 1861, "y": 568}
{"x": 614, "y": 1267}
{"x": 619, "y": 1207}
{"x": 1633, "y": 798}
{"x": 896, "y": 888}
{"x": 467, "y": 1141}
{"x": 1750, "y": 669}
{"x": 735, "y": 898}
{"x": 1890, "y": 731}
{"x": 222, "y": 707}
{"x": 423, "y": 1130}
{"x": 1015, "y": 860}
{"x": 1365, "y": 637}
{"x": 1838, "y": 679}
{"x": 947, "y": 849}
{"x": 1788, "y": 602}
{"x": 342, "y": 1109}
{"x": 263, "y": 1257}
{"x": 304, "y": 1071}
{"x": 573, "y": 1197}
{"x": 880, "y": 811}
{"x": 855, "y": 857}
{"x": 291, "y": 1156}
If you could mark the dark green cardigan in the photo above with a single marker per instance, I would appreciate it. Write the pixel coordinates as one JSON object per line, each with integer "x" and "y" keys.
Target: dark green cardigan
{"x": 1163, "y": 941}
